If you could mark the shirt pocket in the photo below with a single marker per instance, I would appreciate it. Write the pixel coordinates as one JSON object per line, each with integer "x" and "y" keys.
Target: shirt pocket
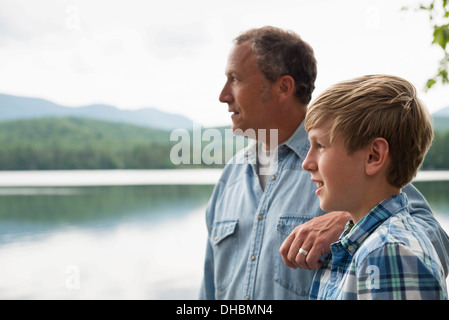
{"x": 224, "y": 239}
{"x": 297, "y": 281}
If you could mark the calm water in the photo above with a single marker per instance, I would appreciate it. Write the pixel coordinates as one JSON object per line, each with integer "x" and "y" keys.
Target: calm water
{"x": 121, "y": 242}
{"x": 133, "y": 242}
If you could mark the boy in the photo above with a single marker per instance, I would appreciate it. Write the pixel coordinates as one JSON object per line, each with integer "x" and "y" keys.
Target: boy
{"x": 368, "y": 138}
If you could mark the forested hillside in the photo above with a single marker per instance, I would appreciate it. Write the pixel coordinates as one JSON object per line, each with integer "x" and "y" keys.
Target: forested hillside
{"x": 78, "y": 143}
{"x": 438, "y": 156}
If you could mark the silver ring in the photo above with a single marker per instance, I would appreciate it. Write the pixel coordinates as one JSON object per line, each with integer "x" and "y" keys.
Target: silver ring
{"x": 304, "y": 252}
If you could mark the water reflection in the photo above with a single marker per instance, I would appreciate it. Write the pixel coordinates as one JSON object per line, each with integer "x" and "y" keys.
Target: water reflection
{"x": 133, "y": 242}
{"x": 143, "y": 242}
{"x": 37, "y": 211}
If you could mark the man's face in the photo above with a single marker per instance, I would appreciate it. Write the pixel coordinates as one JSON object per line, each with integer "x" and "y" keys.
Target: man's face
{"x": 247, "y": 92}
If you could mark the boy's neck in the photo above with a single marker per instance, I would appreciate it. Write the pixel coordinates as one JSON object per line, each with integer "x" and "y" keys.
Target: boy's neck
{"x": 372, "y": 200}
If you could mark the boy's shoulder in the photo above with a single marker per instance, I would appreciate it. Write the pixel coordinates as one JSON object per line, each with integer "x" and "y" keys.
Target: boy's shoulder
{"x": 398, "y": 231}
{"x": 398, "y": 251}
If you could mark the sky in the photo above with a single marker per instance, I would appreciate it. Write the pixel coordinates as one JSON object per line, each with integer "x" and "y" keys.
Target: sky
{"x": 171, "y": 55}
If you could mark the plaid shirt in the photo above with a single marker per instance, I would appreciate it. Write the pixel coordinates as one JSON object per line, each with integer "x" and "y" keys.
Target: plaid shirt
{"x": 384, "y": 256}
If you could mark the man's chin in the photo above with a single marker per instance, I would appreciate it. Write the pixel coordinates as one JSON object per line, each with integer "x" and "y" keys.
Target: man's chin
{"x": 244, "y": 132}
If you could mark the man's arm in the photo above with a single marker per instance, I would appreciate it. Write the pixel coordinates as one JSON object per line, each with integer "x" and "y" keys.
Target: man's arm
{"x": 314, "y": 236}
{"x": 318, "y": 234}
{"x": 422, "y": 214}
{"x": 207, "y": 290}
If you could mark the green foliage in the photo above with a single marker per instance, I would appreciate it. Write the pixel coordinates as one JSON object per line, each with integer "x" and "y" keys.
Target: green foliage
{"x": 438, "y": 12}
{"x": 441, "y": 124}
{"x": 76, "y": 143}
{"x": 79, "y": 143}
{"x": 438, "y": 155}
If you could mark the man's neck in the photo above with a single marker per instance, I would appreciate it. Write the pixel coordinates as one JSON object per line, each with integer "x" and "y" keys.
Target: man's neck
{"x": 280, "y": 133}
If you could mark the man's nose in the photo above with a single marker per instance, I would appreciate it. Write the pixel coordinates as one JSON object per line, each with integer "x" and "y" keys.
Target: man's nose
{"x": 225, "y": 95}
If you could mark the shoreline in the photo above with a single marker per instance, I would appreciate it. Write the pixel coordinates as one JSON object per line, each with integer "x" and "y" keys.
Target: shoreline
{"x": 80, "y": 178}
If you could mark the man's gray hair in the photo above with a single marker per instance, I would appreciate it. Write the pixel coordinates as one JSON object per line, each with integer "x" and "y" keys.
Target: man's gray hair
{"x": 281, "y": 53}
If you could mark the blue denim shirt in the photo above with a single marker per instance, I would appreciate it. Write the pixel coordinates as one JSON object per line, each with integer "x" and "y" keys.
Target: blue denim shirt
{"x": 247, "y": 225}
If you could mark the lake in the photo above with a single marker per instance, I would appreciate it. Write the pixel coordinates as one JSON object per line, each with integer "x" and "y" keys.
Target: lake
{"x": 96, "y": 241}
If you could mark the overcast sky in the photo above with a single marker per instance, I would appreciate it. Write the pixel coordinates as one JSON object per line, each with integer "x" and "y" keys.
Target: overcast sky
{"x": 171, "y": 54}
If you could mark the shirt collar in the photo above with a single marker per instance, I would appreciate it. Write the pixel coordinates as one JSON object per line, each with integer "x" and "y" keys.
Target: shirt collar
{"x": 355, "y": 234}
{"x": 298, "y": 142}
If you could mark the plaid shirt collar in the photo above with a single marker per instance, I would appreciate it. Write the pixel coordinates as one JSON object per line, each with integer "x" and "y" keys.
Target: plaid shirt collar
{"x": 355, "y": 234}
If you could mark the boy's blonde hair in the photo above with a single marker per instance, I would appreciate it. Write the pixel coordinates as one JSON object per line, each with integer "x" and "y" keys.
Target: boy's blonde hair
{"x": 373, "y": 106}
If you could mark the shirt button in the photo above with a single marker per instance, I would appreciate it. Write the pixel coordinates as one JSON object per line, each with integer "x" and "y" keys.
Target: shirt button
{"x": 246, "y": 298}
{"x": 253, "y": 258}
{"x": 351, "y": 248}
{"x": 260, "y": 217}
{"x": 273, "y": 178}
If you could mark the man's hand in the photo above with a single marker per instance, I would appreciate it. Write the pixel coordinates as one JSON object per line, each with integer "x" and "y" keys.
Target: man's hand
{"x": 314, "y": 236}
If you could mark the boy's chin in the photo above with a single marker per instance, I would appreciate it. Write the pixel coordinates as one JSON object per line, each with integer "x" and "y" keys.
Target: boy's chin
{"x": 327, "y": 207}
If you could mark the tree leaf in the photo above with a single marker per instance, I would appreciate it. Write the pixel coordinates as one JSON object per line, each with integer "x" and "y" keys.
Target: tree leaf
{"x": 430, "y": 83}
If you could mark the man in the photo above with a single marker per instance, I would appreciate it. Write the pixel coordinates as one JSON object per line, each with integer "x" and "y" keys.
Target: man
{"x": 270, "y": 80}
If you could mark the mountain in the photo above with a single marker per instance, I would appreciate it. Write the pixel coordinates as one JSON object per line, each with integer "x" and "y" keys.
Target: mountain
{"x": 441, "y": 120}
{"x": 79, "y": 143}
{"x": 444, "y": 113}
{"x": 17, "y": 108}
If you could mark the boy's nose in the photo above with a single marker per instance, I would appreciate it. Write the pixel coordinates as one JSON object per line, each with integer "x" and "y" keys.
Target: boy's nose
{"x": 308, "y": 163}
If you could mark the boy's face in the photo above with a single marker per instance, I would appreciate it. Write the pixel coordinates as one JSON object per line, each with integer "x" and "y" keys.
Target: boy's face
{"x": 339, "y": 176}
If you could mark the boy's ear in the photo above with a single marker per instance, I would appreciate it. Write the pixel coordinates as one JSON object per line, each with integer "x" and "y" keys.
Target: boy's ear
{"x": 377, "y": 156}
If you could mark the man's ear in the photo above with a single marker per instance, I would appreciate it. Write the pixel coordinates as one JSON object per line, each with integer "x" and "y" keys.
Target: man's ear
{"x": 377, "y": 156}
{"x": 286, "y": 87}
